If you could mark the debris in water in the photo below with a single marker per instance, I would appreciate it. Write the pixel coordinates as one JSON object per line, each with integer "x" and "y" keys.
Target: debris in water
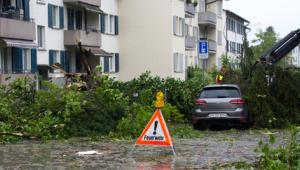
{"x": 89, "y": 153}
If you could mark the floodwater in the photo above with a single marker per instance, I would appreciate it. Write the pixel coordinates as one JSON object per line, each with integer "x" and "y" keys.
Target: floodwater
{"x": 215, "y": 148}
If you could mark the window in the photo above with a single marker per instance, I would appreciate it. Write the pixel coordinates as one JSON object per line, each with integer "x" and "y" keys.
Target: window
{"x": 41, "y": 36}
{"x": 26, "y": 60}
{"x": 112, "y": 24}
{"x": 56, "y": 57}
{"x": 195, "y": 32}
{"x": 178, "y": 63}
{"x": 220, "y": 92}
{"x": 220, "y": 9}
{"x": 186, "y": 29}
{"x": 231, "y": 25}
{"x": 219, "y": 37}
{"x": 108, "y": 24}
{"x": 178, "y": 24}
{"x": 55, "y": 16}
{"x": 232, "y": 47}
{"x": 240, "y": 28}
{"x": 202, "y": 6}
{"x": 112, "y": 64}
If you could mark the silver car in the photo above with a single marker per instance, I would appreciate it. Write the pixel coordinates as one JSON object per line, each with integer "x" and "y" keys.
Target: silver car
{"x": 220, "y": 104}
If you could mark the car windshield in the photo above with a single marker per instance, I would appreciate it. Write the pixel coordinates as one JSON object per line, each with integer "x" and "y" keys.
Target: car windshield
{"x": 224, "y": 92}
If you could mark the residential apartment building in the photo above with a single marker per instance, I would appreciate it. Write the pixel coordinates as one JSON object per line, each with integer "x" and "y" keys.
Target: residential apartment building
{"x": 71, "y": 31}
{"x": 18, "y": 56}
{"x": 296, "y": 56}
{"x": 191, "y": 32}
{"x": 156, "y": 41}
{"x": 125, "y": 37}
{"x": 235, "y": 28}
{"x": 109, "y": 26}
{"x": 210, "y": 28}
{"x": 224, "y": 31}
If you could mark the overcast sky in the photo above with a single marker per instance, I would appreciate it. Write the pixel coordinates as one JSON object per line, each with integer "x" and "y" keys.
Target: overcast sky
{"x": 283, "y": 15}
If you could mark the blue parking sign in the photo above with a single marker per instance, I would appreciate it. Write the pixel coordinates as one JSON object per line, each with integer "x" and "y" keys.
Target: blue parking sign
{"x": 203, "y": 49}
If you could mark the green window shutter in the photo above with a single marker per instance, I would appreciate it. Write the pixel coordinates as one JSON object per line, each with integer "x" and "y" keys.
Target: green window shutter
{"x": 51, "y": 53}
{"x": 102, "y": 24}
{"x": 61, "y": 17}
{"x": 106, "y": 64}
{"x": 70, "y": 13}
{"x": 14, "y": 53}
{"x": 117, "y": 62}
{"x": 78, "y": 18}
{"x": 33, "y": 60}
{"x": 67, "y": 61}
{"x": 20, "y": 60}
{"x": 116, "y": 25}
{"x": 50, "y": 24}
{"x": 26, "y": 10}
{"x": 62, "y": 59}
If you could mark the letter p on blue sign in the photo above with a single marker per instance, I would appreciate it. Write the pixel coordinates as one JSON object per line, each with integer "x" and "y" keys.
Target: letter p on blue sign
{"x": 203, "y": 49}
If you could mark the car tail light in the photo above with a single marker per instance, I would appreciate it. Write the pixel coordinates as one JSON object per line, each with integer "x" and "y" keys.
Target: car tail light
{"x": 237, "y": 101}
{"x": 200, "y": 102}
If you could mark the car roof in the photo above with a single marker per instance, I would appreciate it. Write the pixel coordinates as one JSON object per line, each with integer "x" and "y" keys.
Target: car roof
{"x": 222, "y": 85}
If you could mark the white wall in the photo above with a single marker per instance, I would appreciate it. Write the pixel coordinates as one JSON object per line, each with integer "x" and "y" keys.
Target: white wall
{"x": 178, "y": 43}
{"x": 110, "y": 43}
{"x": 145, "y": 32}
{"x": 54, "y": 38}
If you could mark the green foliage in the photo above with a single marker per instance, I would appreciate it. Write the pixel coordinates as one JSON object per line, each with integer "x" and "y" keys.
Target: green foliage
{"x": 264, "y": 40}
{"x": 184, "y": 131}
{"x": 138, "y": 116}
{"x": 180, "y": 94}
{"x": 58, "y": 112}
{"x": 283, "y": 157}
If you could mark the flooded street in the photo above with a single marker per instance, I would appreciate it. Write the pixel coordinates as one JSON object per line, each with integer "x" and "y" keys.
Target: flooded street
{"x": 215, "y": 148}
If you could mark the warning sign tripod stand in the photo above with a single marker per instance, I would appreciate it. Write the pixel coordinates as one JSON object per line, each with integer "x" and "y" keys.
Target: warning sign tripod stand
{"x": 156, "y": 132}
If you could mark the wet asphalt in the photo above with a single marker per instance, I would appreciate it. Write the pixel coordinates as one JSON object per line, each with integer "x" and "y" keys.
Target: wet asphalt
{"x": 213, "y": 150}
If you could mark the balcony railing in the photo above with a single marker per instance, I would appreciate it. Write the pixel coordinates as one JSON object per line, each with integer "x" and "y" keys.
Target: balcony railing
{"x": 13, "y": 26}
{"x": 15, "y": 71}
{"x": 7, "y": 76}
{"x": 207, "y": 18}
{"x": 14, "y": 15}
{"x": 87, "y": 37}
{"x": 212, "y": 46}
{"x": 189, "y": 9}
{"x": 190, "y": 42}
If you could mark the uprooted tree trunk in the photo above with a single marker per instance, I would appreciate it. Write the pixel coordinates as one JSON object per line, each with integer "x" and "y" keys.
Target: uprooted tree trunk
{"x": 21, "y": 135}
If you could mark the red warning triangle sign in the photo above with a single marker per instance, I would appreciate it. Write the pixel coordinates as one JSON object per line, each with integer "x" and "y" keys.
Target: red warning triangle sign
{"x": 156, "y": 132}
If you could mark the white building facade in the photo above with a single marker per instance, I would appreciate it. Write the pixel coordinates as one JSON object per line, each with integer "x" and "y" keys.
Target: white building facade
{"x": 296, "y": 56}
{"x": 109, "y": 22}
{"x": 163, "y": 42}
{"x": 233, "y": 38}
{"x": 127, "y": 38}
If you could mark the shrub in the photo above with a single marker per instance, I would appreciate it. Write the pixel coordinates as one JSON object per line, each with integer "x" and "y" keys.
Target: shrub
{"x": 282, "y": 157}
{"x": 138, "y": 116}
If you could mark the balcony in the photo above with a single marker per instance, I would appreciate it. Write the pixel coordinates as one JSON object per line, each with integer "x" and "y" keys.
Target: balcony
{"x": 8, "y": 76}
{"x": 89, "y": 2}
{"x": 207, "y": 19}
{"x": 14, "y": 27}
{"x": 212, "y": 46}
{"x": 189, "y": 9}
{"x": 87, "y": 38}
{"x": 190, "y": 42}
